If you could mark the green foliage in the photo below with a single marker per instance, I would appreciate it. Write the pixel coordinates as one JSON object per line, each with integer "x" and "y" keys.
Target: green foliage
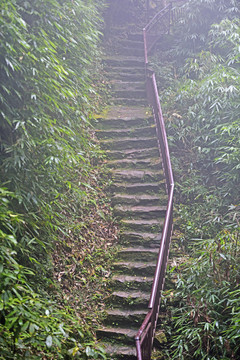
{"x": 202, "y": 108}
{"x": 49, "y": 57}
{"x": 207, "y": 319}
{"x": 205, "y": 121}
{"x": 31, "y": 324}
{"x": 194, "y": 24}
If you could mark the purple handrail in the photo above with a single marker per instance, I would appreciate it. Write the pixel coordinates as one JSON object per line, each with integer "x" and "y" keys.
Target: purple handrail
{"x": 145, "y": 335}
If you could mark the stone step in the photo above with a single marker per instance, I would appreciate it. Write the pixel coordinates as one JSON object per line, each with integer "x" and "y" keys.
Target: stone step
{"x": 120, "y": 352}
{"x": 135, "y": 36}
{"x": 149, "y": 131}
{"x": 146, "y": 187}
{"x": 121, "y": 124}
{"x": 150, "y": 163}
{"x": 140, "y": 212}
{"x": 130, "y": 94}
{"x": 138, "y": 52}
{"x": 126, "y": 116}
{"x": 130, "y": 102}
{"x": 133, "y": 153}
{"x": 152, "y": 225}
{"x": 126, "y": 75}
{"x": 122, "y": 317}
{"x": 135, "y": 268}
{"x": 129, "y": 143}
{"x": 139, "y": 253}
{"x": 125, "y": 85}
{"x": 131, "y": 176}
{"x": 133, "y": 282}
{"x": 122, "y": 335}
{"x": 133, "y": 199}
{"x": 132, "y": 300}
{"x": 132, "y": 44}
{"x": 141, "y": 239}
{"x": 125, "y": 70}
{"x": 124, "y": 61}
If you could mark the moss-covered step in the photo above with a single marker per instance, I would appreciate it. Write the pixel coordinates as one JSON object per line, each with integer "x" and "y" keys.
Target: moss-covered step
{"x": 136, "y": 176}
{"x": 129, "y": 101}
{"x": 131, "y": 299}
{"x": 139, "y": 253}
{"x": 157, "y": 187}
{"x": 123, "y": 335}
{"x": 135, "y": 268}
{"x": 133, "y": 282}
{"x": 148, "y": 131}
{"x": 140, "y": 239}
{"x": 124, "y": 317}
{"x": 136, "y": 199}
{"x": 148, "y": 163}
{"x": 124, "y": 61}
{"x": 141, "y": 153}
{"x": 140, "y": 225}
{"x": 120, "y": 352}
{"x": 140, "y": 212}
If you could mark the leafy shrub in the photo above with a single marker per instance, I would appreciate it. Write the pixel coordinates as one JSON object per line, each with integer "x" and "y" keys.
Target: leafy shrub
{"x": 29, "y": 323}
{"x": 202, "y": 108}
{"x": 48, "y": 160}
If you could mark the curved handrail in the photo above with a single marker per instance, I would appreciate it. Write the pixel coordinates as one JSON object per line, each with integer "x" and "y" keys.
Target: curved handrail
{"x": 145, "y": 335}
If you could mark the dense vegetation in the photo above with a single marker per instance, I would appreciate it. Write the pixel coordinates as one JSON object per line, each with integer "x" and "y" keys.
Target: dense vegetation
{"x": 54, "y": 221}
{"x": 201, "y": 101}
{"x": 50, "y": 184}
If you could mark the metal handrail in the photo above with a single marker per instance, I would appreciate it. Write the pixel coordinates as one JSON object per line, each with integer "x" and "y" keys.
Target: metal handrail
{"x": 145, "y": 335}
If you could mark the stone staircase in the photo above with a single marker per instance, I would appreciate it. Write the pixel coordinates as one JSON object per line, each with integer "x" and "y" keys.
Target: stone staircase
{"x": 127, "y": 133}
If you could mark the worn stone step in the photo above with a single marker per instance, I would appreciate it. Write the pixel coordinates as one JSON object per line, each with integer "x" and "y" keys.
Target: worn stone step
{"x": 141, "y": 239}
{"x": 135, "y": 268}
{"x": 125, "y": 70}
{"x": 124, "y": 61}
{"x": 138, "y": 52}
{"x": 120, "y": 352}
{"x": 150, "y": 163}
{"x": 130, "y": 102}
{"x": 137, "y": 153}
{"x": 121, "y": 124}
{"x": 151, "y": 225}
{"x": 129, "y": 143}
{"x": 139, "y": 253}
{"x": 131, "y": 175}
{"x": 133, "y": 282}
{"x": 118, "y": 117}
{"x": 135, "y": 36}
{"x": 133, "y": 44}
{"x": 123, "y": 335}
{"x": 130, "y": 94}
{"x": 149, "y": 131}
{"x": 140, "y": 212}
{"x": 129, "y": 299}
{"x": 133, "y": 199}
{"x": 123, "y": 317}
{"x": 125, "y": 85}
{"x": 145, "y": 187}
{"x": 125, "y": 75}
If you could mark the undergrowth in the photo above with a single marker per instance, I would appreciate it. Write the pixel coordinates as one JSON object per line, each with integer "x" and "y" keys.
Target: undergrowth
{"x": 55, "y": 218}
{"x": 198, "y": 75}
